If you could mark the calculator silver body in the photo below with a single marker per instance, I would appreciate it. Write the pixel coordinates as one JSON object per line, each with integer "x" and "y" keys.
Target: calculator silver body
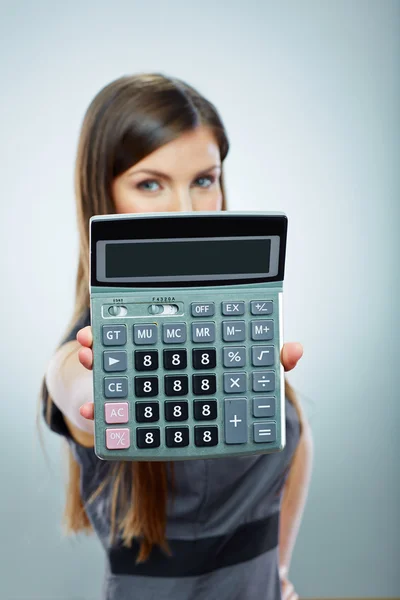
{"x": 187, "y": 371}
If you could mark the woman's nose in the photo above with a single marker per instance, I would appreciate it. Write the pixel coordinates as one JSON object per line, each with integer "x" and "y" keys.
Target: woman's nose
{"x": 183, "y": 201}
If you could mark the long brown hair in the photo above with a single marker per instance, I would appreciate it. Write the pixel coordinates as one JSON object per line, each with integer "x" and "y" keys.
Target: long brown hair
{"x": 127, "y": 120}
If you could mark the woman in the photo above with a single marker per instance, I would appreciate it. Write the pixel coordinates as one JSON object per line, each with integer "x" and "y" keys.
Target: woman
{"x": 202, "y": 529}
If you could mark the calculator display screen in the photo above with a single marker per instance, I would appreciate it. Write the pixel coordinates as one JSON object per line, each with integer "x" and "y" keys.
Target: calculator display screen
{"x": 187, "y": 249}
{"x": 187, "y": 259}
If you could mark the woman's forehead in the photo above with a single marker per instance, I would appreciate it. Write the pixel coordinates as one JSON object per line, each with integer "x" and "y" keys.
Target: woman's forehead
{"x": 193, "y": 151}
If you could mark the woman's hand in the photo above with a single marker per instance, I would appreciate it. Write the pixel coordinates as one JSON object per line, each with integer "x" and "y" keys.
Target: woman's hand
{"x": 85, "y": 354}
{"x": 288, "y": 591}
{"x": 290, "y": 355}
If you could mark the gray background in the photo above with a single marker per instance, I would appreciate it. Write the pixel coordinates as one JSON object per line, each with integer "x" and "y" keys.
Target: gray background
{"x": 309, "y": 92}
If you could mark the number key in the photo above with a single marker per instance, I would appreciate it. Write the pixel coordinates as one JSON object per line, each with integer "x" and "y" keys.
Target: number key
{"x": 177, "y": 436}
{"x": 175, "y": 359}
{"x": 204, "y": 385}
{"x": 205, "y": 410}
{"x": 147, "y": 411}
{"x": 146, "y": 361}
{"x": 147, "y": 437}
{"x": 206, "y": 436}
{"x": 146, "y": 386}
{"x": 176, "y": 411}
{"x": 176, "y": 386}
{"x": 205, "y": 358}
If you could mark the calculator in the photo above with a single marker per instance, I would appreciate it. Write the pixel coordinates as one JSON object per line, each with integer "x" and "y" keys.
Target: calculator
{"x": 186, "y": 314}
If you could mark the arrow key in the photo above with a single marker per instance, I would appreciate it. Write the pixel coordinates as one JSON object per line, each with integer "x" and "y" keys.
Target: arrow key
{"x": 115, "y": 361}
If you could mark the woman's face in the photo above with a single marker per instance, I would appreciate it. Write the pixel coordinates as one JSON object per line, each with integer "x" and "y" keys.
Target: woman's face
{"x": 182, "y": 175}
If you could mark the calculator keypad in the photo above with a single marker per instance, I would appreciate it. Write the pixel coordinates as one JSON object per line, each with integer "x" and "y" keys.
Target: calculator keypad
{"x": 205, "y": 380}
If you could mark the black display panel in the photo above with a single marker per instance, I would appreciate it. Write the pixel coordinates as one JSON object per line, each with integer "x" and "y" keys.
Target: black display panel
{"x": 224, "y": 248}
{"x": 182, "y": 258}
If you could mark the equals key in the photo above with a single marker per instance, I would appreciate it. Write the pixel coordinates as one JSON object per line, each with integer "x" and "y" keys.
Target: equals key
{"x": 265, "y": 432}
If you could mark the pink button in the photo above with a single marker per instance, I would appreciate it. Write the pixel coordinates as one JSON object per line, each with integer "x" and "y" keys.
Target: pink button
{"x": 117, "y": 438}
{"x": 116, "y": 412}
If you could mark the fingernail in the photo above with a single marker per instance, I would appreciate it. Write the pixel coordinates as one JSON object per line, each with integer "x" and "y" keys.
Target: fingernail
{"x": 299, "y": 347}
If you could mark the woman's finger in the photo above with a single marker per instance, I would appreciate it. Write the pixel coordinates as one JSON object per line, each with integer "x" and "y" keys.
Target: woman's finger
{"x": 87, "y": 410}
{"x": 288, "y": 592}
{"x": 85, "y": 356}
{"x": 85, "y": 337}
{"x": 291, "y": 354}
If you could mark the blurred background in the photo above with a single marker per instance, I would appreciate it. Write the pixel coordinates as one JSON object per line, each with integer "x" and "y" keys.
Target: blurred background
{"x": 310, "y": 94}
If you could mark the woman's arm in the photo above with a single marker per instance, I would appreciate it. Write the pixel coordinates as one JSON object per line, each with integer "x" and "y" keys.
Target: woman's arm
{"x": 294, "y": 497}
{"x": 70, "y": 385}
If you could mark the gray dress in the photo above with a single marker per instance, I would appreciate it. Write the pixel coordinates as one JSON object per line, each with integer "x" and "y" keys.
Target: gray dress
{"x": 222, "y": 526}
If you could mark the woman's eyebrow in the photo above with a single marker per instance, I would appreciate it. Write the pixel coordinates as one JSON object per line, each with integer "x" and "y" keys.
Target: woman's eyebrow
{"x": 167, "y": 177}
{"x": 209, "y": 169}
{"x": 151, "y": 172}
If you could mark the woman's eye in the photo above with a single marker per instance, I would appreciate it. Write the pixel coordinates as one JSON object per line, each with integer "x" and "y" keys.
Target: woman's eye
{"x": 205, "y": 182}
{"x": 148, "y": 186}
